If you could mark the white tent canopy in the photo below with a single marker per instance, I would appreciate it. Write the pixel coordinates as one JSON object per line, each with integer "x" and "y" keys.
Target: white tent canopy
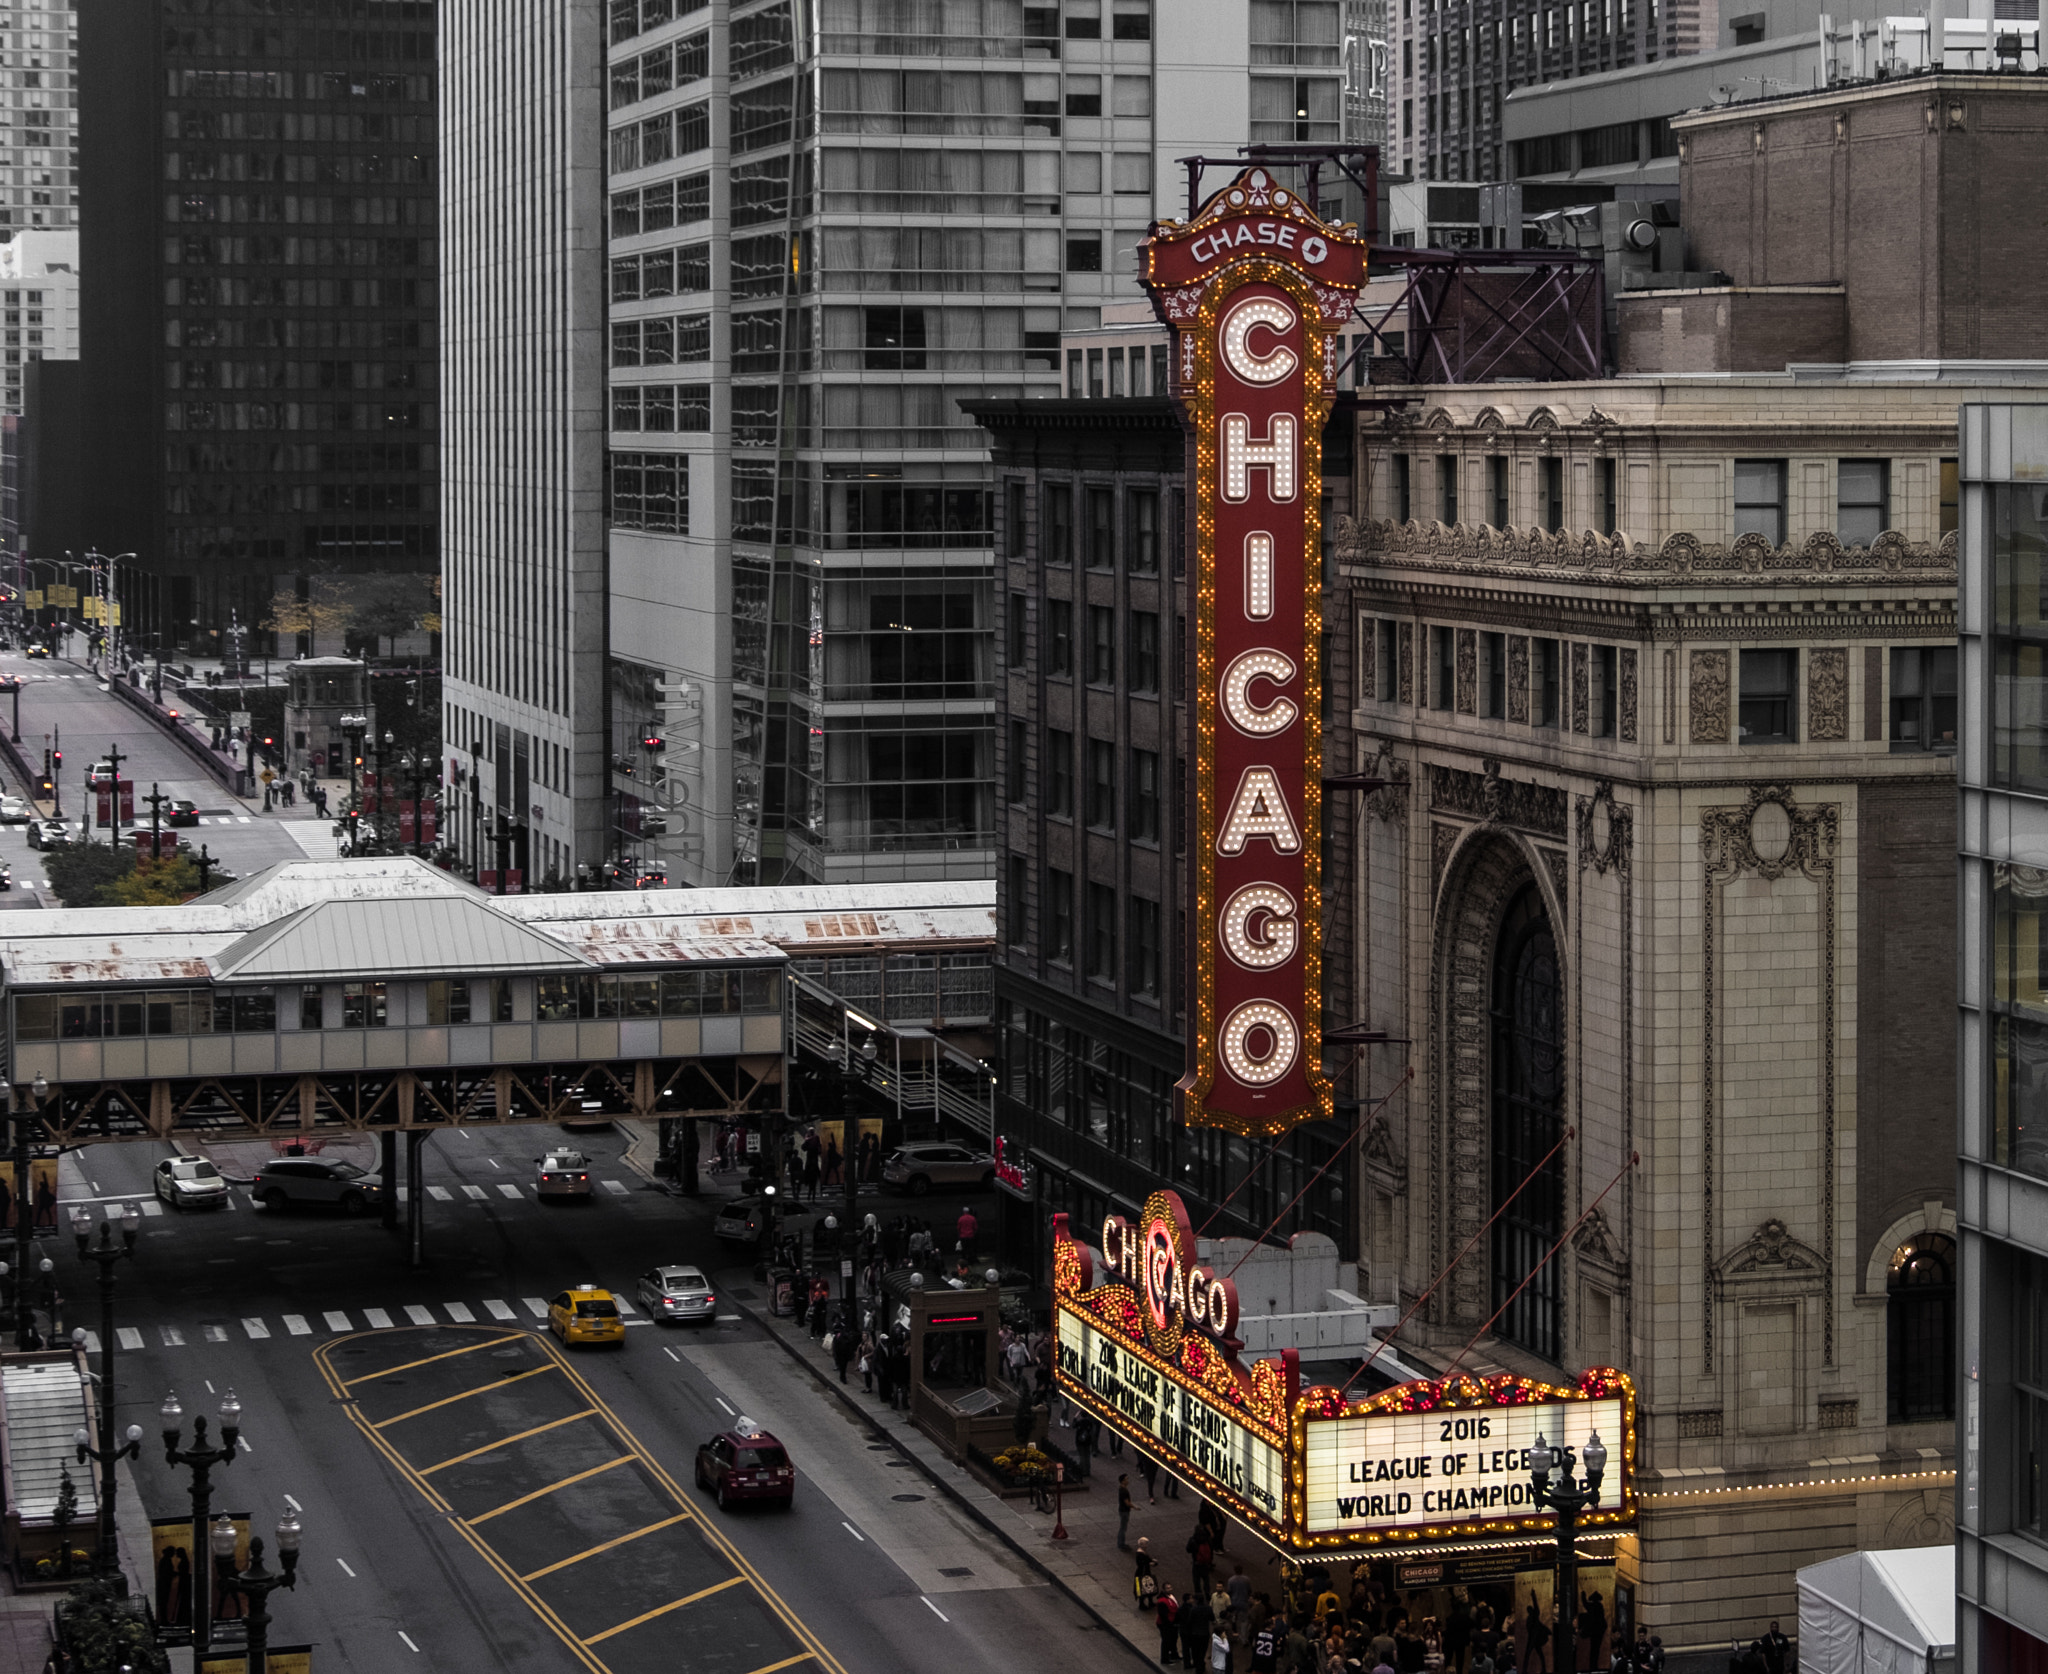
{"x": 1879, "y": 1613}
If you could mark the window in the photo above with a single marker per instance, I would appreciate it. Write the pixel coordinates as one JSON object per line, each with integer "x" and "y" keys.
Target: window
{"x": 1607, "y": 147}
{"x": 1546, "y": 660}
{"x": 1014, "y": 764}
{"x": 1101, "y": 785}
{"x": 1013, "y": 519}
{"x": 1059, "y": 636}
{"x": 1101, "y": 645}
{"x": 501, "y": 1000}
{"x": 1862, "y": 505}
{"x": 1101, "y": 933}
{"x": 1951, "y": 498}
{"x": 1130, "y": 172}
{"x": 1101, "y": 528}
{"x": 1059, "y": 773}
{"x": 1443, "y": 668}
{"x": 1094, "y": 375}
{"x": 1493, "y": 675}
{"x": 1386, "y": 661}
{"x": 1073, "y": 374}
{"x": 1116, "y": 371}
{"x": 1084, "y": 95}
{"x": 1059, "y": 916}
{"x": 1601, "y": 721}
{"x": 2019, "y": 557}
{"x": 1920, "y": 1331}
{"x": 1015, "y": 915}
{"x": 2019, "y": 976}
{"x": 1402, "y": 512}
{"x": 1760, "y": 499}
{"x": 1142, "y": 510}
{"x": 1144, "y": 666}
{"x": 313, "y": 1006}
{"x": 2029, "y": 1353}
{"x": 1447, "y": 487}
{"x": 448, "y": 1002}
{"x": 1132, "y": 96}
{"x": 1766, "y": 712}
{"x": 364, "y": 1005}
{"x": 1144, "y": 950}
{"x": 1924, "y": 698}
{"x": 1014, "y": 624}
{"x": 1144, "y": 810}
{"x": 1084, "y": 255}
{"x": 1607, "y": 508}
{"x": 1553, "y": 494}
{"x": 1056, "y": 538}
{"x": 1528, "y": 1083}
{"x": 1497, "y": 489}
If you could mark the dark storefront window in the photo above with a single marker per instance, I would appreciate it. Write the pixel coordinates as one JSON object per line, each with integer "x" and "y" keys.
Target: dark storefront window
{"x": 1527, "y": 1084}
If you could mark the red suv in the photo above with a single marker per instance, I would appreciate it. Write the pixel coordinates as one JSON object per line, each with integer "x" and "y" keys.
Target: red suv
{"x": 745, "y": 1463}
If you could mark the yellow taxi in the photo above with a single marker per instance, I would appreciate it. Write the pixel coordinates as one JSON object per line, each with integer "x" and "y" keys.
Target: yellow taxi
{"x": 586, "y": 1314}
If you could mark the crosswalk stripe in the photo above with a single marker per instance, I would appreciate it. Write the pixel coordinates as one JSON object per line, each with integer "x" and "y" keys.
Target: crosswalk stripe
{"x": 625, "y": 1307}
{"x": 297, "y": 1326}
{"x": 440, "y": 1194}
{"x": 337, "y": 1320}
{"x": 256, "y": 1328}
{"x": 172, "y": 1336}
{"x": 216, "y": 1333}
{"x": 618, "y": 1186}
{"x": 476, "y": 1192}
{"x": 499, "y": 1310}
{"x": 128, "y": 1337}
{"x": 534, "y": 1306}
{"x": 459, "y": 1312}
{"x": 505, "y": 1189}
{"x": 378, "y": 1318}
{"x": 228, "y": 1203}
{"x": 419, "y": 1314}
{"x": 150, "y": 1206}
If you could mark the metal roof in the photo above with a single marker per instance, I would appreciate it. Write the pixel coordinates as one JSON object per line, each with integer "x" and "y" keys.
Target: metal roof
{"x": 46, "y": 1405}
{"x": 374, "y": 940}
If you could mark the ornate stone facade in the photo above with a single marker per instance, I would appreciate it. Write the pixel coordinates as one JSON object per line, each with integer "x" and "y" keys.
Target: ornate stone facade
{"x": 1739, "y": 1168}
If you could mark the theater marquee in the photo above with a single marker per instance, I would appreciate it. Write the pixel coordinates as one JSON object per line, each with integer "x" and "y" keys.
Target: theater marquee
{"x": 1255, "y": 289}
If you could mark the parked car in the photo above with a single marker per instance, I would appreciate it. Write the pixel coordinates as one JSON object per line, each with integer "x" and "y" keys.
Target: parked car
{"x": 563, "y": 1174}
{"x": 586, "y": 1314}
{"x": 190, "y": 1183}
{"x": 917, "y": 1168}
{"x": 674, "y": 1294}
{"x": 15, "y": 810}
{"x": 746, "y": 1463}
{"x": 739, "y": 1221}
{"x": 287, "y": 1181}
{"x": 48, "y": 834}
{"x": 182, "y": 812}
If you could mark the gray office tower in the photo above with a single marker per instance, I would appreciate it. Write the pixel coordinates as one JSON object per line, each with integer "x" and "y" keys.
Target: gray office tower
{"x": 719, "y": 565}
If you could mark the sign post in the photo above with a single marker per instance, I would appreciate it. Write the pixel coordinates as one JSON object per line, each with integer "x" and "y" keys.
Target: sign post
{"x": 1255, "y": 288}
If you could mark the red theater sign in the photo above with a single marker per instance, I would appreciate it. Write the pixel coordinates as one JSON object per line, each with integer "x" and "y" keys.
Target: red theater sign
{"x": 1255, "y": 289}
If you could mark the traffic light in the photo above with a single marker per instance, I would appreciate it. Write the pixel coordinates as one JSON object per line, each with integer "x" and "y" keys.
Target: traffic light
{"x": 57, "y": 760}
{"x": 653, "y": 741}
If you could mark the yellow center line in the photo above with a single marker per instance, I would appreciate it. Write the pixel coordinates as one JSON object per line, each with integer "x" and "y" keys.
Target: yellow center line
{"x": 786, "y": 1662}
{"x": 450, "y": 1400}
{"x": 664, "y": 1609}
{"x": 492, "y": 1447}
{"x": 542, "y": 1493}
{"x": 652, "y": 1528}
{"x": 372, "y": 1377}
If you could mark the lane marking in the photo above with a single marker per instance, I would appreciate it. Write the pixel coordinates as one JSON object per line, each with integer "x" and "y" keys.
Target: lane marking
{"x": 507, "y": 1189}
{"x": 150, "y": 1206}
{"x": 664, "y": 1609}
{"x": 857, "y": 1535}
{"x": 459, "y": 1312}
{"x": 723, "y": 1318}
{"x": 351, "y": 1574}
{"x": 450, "y": 1400}
{"x": 378, "y": 1318}
{"x": 542, "y": 1493}
{"x": 534, "y": 1306}
{"x": 337, "y": 1320}
{"x": 409, "y": 1645}
{"x": 617, "y": 1187}
{"x": 720, "y": 1399}
{"x": 493, "y": 1161}
{"x": 294, "y": 1504}
{"x": 934, "y": 1609}
{"x": 625, "y": 1307}
{"x": 128, "y": 1337}
{"x": 475, "y": 1192}
{"x": 420, "y": 1314}
{"x": 466, "y": 1134}
{"x": 617, "y": 1540}
{"x": 671, "y": 1353}
{"x": 216, "y": 1334}
{"x": 499, "y": 1310}
{"x": 297, "y": 1326}
{"x": 243, "y": 1443}
{"x": 440, "y": 1194}
{"x": 450, "y": 1354}
{"x": 507, "y": 1441}
{"x": 786, "y": 1662}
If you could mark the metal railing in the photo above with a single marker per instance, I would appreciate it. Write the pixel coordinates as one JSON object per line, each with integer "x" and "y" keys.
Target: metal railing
{"x": 924, "y": 1075}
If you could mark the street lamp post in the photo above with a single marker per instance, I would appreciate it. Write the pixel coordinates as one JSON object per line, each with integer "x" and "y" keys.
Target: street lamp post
{"x": 127, "y": 1220}
{"x": 1568, "y": 1500}
{"x": 24, "y": 1206}
{"x": 200, "y": 1459}
{"x": 849, "y": 1140}
{"x": 352, "y": 728}
{"x": 259, "y": 1582}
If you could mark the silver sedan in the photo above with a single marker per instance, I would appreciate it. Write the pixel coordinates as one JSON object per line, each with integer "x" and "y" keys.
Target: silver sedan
{"x": 675, "y": 1294}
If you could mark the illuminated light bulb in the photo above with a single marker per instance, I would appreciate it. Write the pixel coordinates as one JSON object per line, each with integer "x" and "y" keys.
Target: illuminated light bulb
{"x": 1251, "y": 1016}
{"x": 1240, "y": 323}
{"x": 1235, "y": 693}
{"x": 1258, "y": 576}
{"x": 1259, "y": 809}
{"x": 1276, "y": 938}
{"x": 1242, "y": 455}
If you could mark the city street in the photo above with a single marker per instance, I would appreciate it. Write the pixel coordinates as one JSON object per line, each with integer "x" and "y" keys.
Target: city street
{"x": 475, "y": 1494}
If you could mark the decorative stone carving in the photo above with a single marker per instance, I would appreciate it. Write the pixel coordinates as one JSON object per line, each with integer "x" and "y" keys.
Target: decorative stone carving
{"x": 1770, "y": 835}
{"x": 1827, "y": 694}
{"x": 1518, "y": 679}
{"x": 1699, "y": 1426}
{"x": 1625, "y": 699}
{"x": 1708, "y": 702}
{"x": 1772, "y": 1252}
{"x": 1578, "y": 678}
{"x": 1497, "y": 801}
{"x": 1559, "y": 868}
{"x": 1405, "y": 655}
{"x": 1368, "y": 661}
{"x": 1596, "y": 1246}
{"x": 1468, "y": 671}
{"x": 1489, "y": 419}
{"x": 1387, "y": 1171}
{"x": 1442, "y": 839}
{"x": 1390, "y": 801}
{"x": 1606, "y": 831}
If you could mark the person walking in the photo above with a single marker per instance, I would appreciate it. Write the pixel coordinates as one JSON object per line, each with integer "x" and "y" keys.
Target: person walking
{"x": 964, "y": 1229}
{"x": 843, "y": 1346}
{"x": 1148, "y": 1473}
{"x": 812, "y": 1165}
{"x": 1123, "y": 1512}
{"x": 1166, "y": 1617}
{"x": 867, "y": 1363}
{"x": 1144, "y": 1584}
{"x": 1239, "y": 1587}
{"x": 1196, "y": 1621}
{"x": 1203, "y": 1552}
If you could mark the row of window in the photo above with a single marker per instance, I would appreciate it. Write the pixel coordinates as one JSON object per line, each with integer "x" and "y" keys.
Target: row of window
{"x": 191, "y": 250}
{"x": 1098, "y": 534}
{"x": 296, "y": 415}
{"x": 637, "y": 17}
{"x": 292, "y": 209}
{"x": 661, "y": 407}
{"x": 269, "y": 332}
{"x": 309, "y": 84}
{"x": 1106, "y": 373}
{"x": 212, "y": 291}
{"x": 1143, "y": 795}
{"x": 662, "y": 340}
{"x": 1142, "y": 649}
{"x": 673, "y": 203}
{"x": 659, "y": 273}
{"x": 293, "y": 374}
{"x": 656, "y": 139}
{"x": 1097, "y": 934}
{"x": 326, "y": 167}
{"x": 380, "y": 458}
{"x": 651, "y": 491}
{"x": 662, "y": 70}
{"x": 322, "y": 127}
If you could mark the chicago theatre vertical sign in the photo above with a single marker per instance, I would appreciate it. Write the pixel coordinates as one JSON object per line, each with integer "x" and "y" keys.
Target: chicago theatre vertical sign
{"x": 1255, "y": 289}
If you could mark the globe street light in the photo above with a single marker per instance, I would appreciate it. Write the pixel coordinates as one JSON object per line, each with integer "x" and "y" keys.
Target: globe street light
{"x": 127, "y": 1220}
{"x": 24, "y": 1219}
{"x": 1568, "y": 1500}
{"x": 258, "y": 1582}
{"x": 200, "y": 1458}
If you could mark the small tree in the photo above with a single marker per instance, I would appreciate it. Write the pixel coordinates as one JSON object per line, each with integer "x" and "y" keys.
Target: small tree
{"x": 78, "y": 871}
{"x": 61, "y": 1518}
{"x": 327, "y": 608}
{"x": 398, "y": 604}
{"x": 152, "y": 883}
{"x": 102, "y": 1633}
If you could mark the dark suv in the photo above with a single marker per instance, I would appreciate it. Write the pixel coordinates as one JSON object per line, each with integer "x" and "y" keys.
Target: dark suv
{"x": 745, "y": 1463}
{"x": 287, "y": 1181}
